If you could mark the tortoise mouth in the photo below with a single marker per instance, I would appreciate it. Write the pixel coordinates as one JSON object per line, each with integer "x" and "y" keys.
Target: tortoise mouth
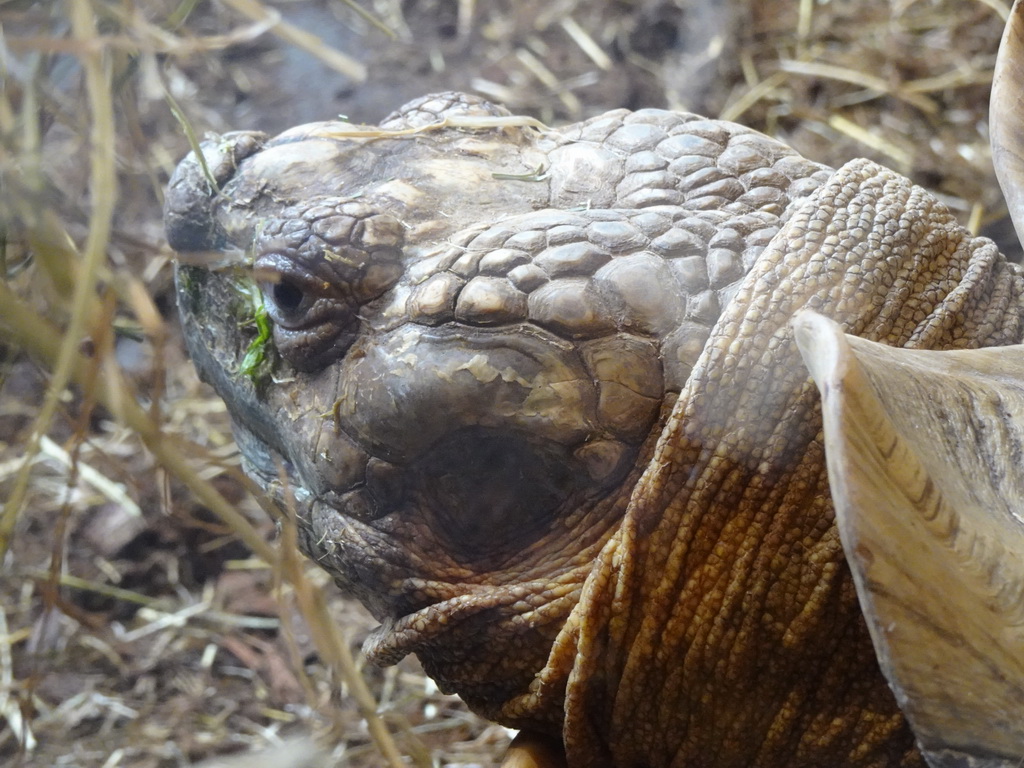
{"x": 265, "y": 463}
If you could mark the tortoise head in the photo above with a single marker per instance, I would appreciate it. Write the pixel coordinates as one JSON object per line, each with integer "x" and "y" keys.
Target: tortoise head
{"x": 452, "y": 359}
{"x": 453, "y": 339}
{"x": 453, "y": 462}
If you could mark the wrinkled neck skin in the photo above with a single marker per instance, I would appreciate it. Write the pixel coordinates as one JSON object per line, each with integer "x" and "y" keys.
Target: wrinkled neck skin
{"x": 536, "y": 414}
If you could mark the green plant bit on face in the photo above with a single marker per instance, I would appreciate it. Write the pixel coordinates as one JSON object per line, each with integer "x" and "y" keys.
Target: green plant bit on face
{"x": 256, "y": 355}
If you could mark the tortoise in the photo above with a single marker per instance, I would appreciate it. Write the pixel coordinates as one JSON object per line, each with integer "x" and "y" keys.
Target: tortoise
{"x": 537, "y": 396}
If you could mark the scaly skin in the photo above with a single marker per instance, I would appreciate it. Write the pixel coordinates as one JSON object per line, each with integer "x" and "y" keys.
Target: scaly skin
{"x": 539, "y": 401}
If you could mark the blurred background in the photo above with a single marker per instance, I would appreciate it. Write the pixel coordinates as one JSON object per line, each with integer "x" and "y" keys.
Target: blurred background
{"x": 153, "y": 614}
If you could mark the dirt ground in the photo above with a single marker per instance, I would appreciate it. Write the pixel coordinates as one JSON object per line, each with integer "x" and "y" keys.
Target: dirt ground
{"x": 139, "y": 626}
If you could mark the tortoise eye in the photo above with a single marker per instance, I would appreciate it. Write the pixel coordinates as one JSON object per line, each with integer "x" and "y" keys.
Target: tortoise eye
{"x": 311, "y": 329}
{"x": 287, "y": 302}
{"x": 288, "y": 296}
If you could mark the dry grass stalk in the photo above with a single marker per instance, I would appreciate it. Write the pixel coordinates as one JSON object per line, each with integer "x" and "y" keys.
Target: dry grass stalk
{"x": 292, "y": 34}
